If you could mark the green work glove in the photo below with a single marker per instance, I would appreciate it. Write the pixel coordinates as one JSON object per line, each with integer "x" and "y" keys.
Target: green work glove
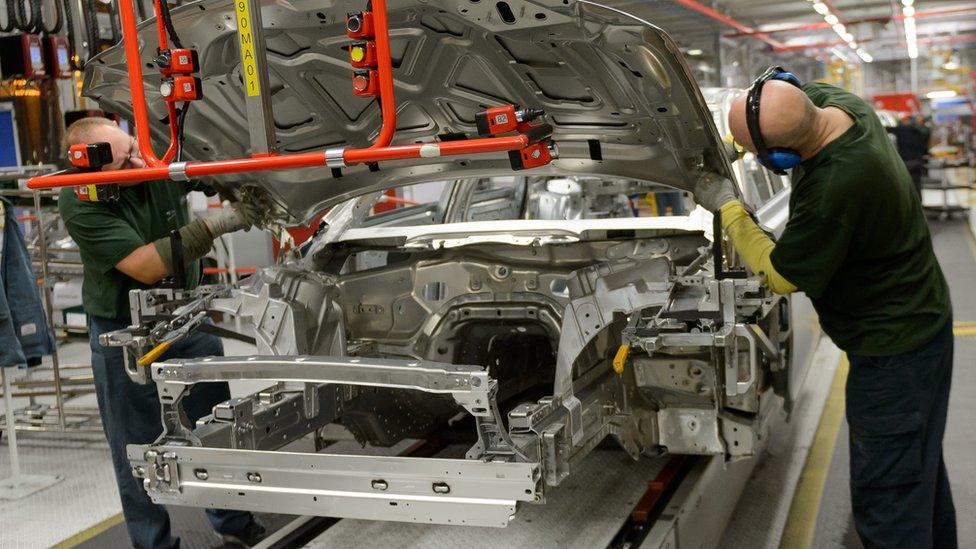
{"x": 713, "y": 191}
{"x": 198, "y": 235}
{"x": 228, "y": 221}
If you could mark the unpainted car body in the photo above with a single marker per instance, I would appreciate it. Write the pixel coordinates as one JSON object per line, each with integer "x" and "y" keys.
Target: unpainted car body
{"x": 542, "y": 311}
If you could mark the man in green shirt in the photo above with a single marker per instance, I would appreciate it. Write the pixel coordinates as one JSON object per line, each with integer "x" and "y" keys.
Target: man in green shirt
{"x": 858, "y": 245}
{"x": 125, "y": 245}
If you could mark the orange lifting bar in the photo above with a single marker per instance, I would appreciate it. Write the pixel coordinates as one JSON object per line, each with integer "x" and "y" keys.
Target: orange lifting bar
{"x": 379, "y": 151}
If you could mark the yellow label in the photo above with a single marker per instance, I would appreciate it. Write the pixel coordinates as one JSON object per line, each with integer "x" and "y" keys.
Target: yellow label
{"x": 93, "y": 193}
{"x": 248, "y": 64}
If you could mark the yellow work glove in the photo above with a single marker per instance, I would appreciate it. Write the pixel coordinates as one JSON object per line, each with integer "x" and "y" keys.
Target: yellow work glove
{"x": 753, "y": 245}
{"x": 733, "y": 149}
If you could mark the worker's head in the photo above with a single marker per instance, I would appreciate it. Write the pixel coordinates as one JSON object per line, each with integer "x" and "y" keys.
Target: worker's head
{"x": 95, "y": 129}
{"x": 786, "y": 117}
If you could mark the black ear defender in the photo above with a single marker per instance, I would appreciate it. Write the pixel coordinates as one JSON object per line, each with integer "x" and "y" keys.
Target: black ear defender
{"x": 778, "y": 159}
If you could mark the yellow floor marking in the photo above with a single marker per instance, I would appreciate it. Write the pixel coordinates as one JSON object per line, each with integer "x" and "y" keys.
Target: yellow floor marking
{"x": 964, "y": 331}
{"x": 802, "y": 519}
{"x": 91, "y": 532}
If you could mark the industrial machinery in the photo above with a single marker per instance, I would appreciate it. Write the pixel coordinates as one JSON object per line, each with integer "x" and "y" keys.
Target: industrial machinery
{"x": 521, "y": 295}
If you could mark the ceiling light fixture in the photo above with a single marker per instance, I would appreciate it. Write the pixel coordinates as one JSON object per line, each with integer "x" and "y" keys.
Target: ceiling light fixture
{"x": 695, "y": 52}
{"x": 834, "y": 21}
{"x": 911, "y": 34}
{"x": 941, "y": 94}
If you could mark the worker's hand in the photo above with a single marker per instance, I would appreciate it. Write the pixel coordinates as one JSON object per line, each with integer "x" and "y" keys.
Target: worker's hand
{"x": 227, "y": 221}
{"x": 249, "y": 211}
{"x": 713, "y": 191}
{"x": 733, "y": 149}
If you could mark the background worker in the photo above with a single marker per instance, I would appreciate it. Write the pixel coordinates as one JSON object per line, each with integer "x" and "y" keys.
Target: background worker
{"x": 858, "y": 245}
{"x": 912, "y": 136}
{"x": 125, "y": 245}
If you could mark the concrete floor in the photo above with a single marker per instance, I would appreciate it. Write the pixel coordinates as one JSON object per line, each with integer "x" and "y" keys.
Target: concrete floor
{"x": 956, "y": 250}
{"x": 87, "y": 495}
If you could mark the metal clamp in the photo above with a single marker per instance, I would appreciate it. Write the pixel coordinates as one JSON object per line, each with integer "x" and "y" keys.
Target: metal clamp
{"x": 177, "y": 171}
{"x": 334, "y": 158}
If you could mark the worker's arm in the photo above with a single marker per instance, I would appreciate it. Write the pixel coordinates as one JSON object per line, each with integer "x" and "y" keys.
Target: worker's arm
{"x": 144, "y": 264}
{"x": 810, "y": 252}
{"x": 717, "y": 194}
{"x": 196, "y": 238}
{"x": 753, "y": 245}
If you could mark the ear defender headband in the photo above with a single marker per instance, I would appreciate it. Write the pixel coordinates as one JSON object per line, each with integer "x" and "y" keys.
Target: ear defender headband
{"x": 778, "y": 159}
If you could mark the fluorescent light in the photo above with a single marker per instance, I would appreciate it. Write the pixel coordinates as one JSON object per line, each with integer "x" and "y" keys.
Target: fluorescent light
{"x": 907, "y": 3}
{"x": 840, "y": 55}
{"x": 848, "y": 37}
{"x": 840, "y": 29}
{"x": 941, "y": 94}
{"x": 821, "y": 8}
{"x": 831, "y": 19}
{"x": 865, "y": 56}
{"x": 950, "y": 65}
{"x": 911, "y": 36}
{"x": 852, "y": 44}
{"x": 695, "y": 52}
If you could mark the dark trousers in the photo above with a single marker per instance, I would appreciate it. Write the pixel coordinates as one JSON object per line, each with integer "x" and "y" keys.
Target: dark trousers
{"x": 896, "y": 409}
{"x": 131, "y": 415}
{"x": 916, "y": 168}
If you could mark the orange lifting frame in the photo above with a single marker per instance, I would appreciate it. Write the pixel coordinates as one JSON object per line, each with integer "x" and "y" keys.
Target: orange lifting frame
{"x": 379, "y": 151}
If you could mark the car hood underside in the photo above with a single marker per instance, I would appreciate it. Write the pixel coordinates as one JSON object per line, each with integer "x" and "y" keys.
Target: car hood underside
{"x": 614, "y": 87}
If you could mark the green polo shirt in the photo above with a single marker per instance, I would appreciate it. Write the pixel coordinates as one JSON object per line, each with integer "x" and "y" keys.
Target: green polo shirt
{"x": 108, "y": 232}
{"x": 857, "y": 241}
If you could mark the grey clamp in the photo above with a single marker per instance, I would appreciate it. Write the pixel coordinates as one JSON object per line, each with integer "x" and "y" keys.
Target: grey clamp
{"x": 177, "y": 171}
{"x": 334, "y": 159}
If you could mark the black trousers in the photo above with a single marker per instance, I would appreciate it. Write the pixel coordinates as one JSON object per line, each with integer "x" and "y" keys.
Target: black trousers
{"x": 916, "y": 168}
{"x": 896, "y": 409}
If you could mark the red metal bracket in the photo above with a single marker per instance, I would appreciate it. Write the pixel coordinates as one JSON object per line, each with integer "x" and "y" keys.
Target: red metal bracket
{"x": 379, "y": 151}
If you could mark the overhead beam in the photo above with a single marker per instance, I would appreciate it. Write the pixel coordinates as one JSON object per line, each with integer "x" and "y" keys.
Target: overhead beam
{"x": 731, "y": 22}
{"x": 823, "y": 25}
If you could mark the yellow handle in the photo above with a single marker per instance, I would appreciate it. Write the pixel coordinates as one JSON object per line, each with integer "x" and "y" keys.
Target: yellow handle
{"x": 152, "y": 355}
{"x": 621, "y": 358}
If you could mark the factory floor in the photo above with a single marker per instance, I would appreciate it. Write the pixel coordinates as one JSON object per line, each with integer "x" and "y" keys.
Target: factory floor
{"x": 82, "y": 509}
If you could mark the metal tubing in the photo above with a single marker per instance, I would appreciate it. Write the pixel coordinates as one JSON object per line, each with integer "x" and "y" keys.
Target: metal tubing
{"x": 8, "y": 404}
{"x": 284, "y": 162}
{"x": 385, "y": 72}
{"x": 378, "y": 152}
{"x": 48, "y": 308}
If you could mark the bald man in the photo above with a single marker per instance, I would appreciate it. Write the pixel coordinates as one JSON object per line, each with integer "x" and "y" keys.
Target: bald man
{"x": 858, "y": 245}
{"x": 125, "y": 245}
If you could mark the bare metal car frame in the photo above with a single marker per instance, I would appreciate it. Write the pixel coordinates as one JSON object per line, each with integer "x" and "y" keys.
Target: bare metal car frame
{"x": 658, "y": 341}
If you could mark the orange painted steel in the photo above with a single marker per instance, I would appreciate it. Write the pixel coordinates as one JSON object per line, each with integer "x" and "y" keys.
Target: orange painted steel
{"x": 380, "y": 151}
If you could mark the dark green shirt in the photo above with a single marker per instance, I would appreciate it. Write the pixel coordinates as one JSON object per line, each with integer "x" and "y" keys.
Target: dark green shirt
{"x": 857, "y": 241}
{"x": 108, "y": 232}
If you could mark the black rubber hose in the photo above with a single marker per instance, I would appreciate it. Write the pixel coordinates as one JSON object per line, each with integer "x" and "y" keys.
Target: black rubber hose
{"x": 91, "y": 28}
{"x": 69, "y": 23}
{"x": 180, "y": 124}
{"x": 113, "y": 18}
{"x": 11, "y": 23}
{"x": 31, "y": 23}
{"x": 168, "y": 22}
{"x": 59, "y": 19}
